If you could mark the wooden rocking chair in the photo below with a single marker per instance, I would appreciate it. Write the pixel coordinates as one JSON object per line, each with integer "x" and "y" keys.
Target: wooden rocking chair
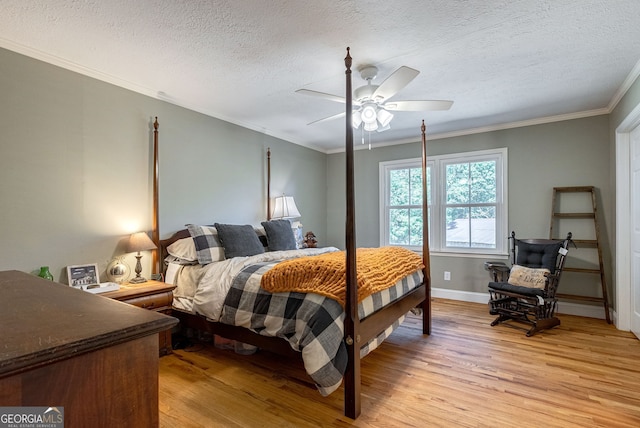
{"x": 526, "y": 292}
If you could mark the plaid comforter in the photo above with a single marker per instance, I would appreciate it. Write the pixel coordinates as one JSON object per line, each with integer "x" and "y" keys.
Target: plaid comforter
{"x": 311, "y": 323}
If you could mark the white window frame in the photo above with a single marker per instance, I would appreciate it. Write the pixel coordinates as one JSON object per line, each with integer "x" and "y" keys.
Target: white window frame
{"x": 437, "y": 165}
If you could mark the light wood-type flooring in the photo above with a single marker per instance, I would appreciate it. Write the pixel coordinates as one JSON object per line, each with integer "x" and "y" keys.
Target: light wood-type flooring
{"x": 584, "y": 373}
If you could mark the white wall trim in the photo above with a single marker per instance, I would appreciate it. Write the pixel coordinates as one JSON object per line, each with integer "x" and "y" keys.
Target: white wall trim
{"x": 566, "y": 308}
{"x": 465, "y": 296}
{"x": 72, "y": 66}
{"x": 484, "y": 129}
{"x": 622, "y": 268}
{"x": 588, "y": 311}
{"x": 622, "y": 90}
{"x": 623, "y": 219}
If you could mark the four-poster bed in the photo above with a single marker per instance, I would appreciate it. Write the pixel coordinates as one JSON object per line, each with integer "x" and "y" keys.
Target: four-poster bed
{"x": 361, "y": 327}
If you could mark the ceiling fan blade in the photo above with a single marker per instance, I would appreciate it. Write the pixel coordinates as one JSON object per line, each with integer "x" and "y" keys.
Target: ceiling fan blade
{"x": 425, "y": 105}
{"x": 392, "y": 84}
{"x": 321, "y": 95}
{"x": 335, "y": 116}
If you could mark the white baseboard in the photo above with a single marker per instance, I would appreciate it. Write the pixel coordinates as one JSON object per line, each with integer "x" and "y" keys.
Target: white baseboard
{"x": 581, "y": 310}
{"x": 563, "y": 307}
{"x": 465, "y": 296}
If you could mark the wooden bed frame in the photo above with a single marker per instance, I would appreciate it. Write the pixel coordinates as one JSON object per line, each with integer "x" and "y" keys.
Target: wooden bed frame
{"x": 356, "y": 332}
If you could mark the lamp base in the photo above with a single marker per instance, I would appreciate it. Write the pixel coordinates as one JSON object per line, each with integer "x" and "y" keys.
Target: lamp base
{"x": 137, "y": 280}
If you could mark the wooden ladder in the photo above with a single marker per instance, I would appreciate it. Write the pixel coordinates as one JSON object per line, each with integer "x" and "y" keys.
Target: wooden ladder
{"x": 556, "y": 216}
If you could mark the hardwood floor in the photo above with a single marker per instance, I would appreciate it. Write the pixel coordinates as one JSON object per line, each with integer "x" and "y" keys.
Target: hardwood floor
{"x": 584, "y": 373}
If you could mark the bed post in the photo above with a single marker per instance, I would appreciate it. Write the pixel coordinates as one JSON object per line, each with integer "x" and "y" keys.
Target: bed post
{"x": 268, "y": 183}
{"x": 351, "y": 322}
{"x": 155, "y": 234}
{"x": 426, "y": 305}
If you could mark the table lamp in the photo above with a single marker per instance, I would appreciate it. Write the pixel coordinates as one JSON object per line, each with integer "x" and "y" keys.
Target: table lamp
{"x": 139, "y": 241}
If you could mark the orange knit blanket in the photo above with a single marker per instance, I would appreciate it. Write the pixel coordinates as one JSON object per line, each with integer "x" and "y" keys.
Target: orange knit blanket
{"x": 325, "y": 274}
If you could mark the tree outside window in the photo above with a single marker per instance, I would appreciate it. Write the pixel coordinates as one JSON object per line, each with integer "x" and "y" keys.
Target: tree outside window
{"x": 470, "y": 206}
{"x": 405, "y": 206}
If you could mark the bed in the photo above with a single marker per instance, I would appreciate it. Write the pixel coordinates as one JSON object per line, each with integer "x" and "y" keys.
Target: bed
{"x": 332, "y": 328}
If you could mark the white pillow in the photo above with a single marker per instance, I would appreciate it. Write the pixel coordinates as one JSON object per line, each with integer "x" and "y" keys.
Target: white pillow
{"x": 183, "y": 249}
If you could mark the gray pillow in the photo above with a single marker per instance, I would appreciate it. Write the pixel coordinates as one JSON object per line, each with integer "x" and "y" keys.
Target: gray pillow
{"x": 279, "y": 235}
{"x": 239, "y": 240}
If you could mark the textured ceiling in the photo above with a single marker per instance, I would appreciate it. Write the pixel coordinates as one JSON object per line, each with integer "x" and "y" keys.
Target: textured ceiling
{"x": 500, "y": 61}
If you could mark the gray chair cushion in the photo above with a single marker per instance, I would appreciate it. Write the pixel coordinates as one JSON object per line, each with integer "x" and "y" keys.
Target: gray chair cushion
{"x": 526, "y": 291}
{"x": 538, "y": 255}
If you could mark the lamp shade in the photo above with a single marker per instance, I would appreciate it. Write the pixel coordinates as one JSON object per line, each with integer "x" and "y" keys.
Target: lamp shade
{"x": 285, "y": 207}
{"x": 384, "y": 117}
{"x": 356, "y": 118}
{"x": 369, "y": 113}
{"x": 370, "y": 127}
{"x": 140, "y": 241}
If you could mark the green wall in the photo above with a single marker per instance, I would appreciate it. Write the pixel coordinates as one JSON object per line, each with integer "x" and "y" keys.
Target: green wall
{"x": 567, "y": 153}
{"x": 76, "y": 169}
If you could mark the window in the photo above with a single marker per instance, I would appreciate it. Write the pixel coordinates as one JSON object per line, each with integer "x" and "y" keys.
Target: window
{"x": 466, "y": 198}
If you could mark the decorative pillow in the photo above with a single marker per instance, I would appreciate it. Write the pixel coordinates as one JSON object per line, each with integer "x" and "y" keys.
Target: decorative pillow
{"x": 239, "y": 240}
{"x": 279, "y": 235}
{"x": 206, "y": 243}
{"x": 528, "y": 277}
{"x": 183, "y": 249}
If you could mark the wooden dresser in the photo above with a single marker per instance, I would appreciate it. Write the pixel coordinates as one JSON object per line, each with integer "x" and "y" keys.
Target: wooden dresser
{"x": 151, "y": 295}
{"x": 62, "y": 347}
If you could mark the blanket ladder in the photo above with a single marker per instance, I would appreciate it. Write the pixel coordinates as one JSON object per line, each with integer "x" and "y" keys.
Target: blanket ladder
{"x": 583, "y": 244}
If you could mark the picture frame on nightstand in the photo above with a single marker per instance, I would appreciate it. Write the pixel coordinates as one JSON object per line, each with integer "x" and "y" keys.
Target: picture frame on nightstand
{"x": 81, "y": 276}
{"x": 87, "y": 278}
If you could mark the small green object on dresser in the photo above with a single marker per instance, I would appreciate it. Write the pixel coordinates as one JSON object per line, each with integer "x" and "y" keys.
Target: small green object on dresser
{"x": 44, "y": 273}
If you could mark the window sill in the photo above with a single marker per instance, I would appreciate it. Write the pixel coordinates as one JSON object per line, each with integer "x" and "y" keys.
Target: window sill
{"x": 467, "y": 255}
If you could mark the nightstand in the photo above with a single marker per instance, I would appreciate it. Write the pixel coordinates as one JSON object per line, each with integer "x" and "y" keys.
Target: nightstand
{"x": 153, "y": 295}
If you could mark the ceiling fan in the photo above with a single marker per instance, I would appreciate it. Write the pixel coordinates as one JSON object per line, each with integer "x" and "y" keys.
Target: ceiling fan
{"x": 372, "y": 101}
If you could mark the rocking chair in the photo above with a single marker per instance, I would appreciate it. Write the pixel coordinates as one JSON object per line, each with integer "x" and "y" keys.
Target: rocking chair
{"x": 526, "y": 292}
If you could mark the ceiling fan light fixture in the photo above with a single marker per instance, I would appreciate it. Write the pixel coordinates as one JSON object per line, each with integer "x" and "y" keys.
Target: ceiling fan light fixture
{"x": 369, "y": 114}
{"x": 356, "y": 119}
{"x": 384, "y": 117}
{"x": 370, "y": 127}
